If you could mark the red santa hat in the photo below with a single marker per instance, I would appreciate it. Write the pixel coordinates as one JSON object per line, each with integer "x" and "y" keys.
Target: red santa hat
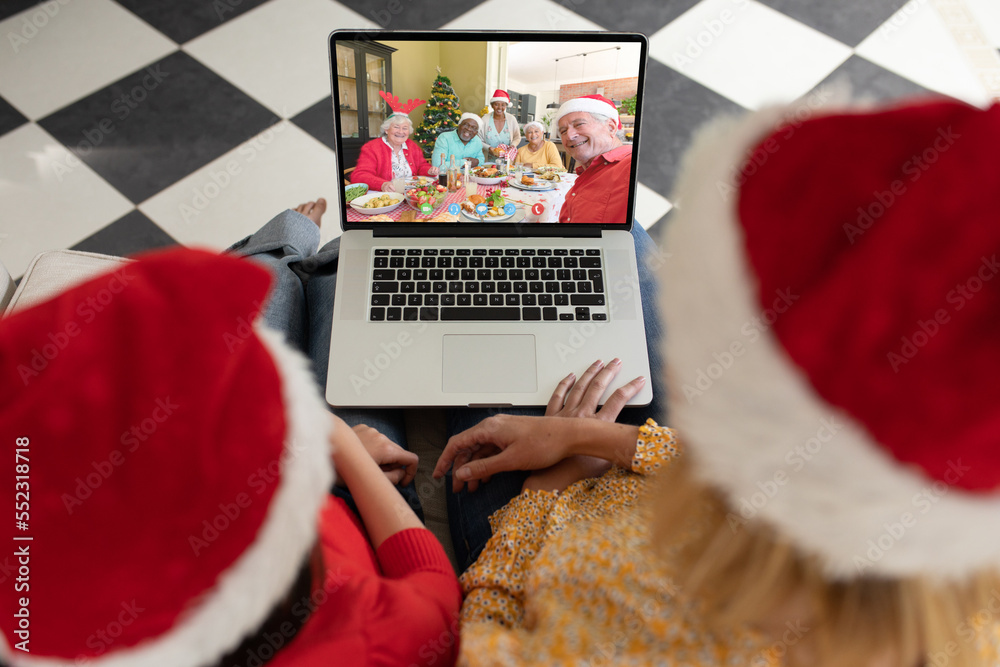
{"x": 590, "y": 104}
{"x": 177, "y": 457}
{"x": 500, "y": 96}
{"x": 833, "y": 303}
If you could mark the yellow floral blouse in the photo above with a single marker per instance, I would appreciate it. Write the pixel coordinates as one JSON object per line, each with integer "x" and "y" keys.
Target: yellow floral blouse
{"x": 568, "y": 578}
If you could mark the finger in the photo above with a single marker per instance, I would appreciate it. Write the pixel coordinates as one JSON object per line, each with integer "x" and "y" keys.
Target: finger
{"x": 395, "y": 475}
{"x": 601, "y": 381}
{"x": 480, "y": 469}
{"x": 460, "y": 460}
{"x": 407, "y": 459}
{"x": 482, "y": 453}
{"x": 558, "y": 398}
{"x": 576, "y": 394}
{"x": 619, "y": 398}
{"x": 408, "y": 462}
{"x": 469, "y": 439}
{"x": 411, "y": 473}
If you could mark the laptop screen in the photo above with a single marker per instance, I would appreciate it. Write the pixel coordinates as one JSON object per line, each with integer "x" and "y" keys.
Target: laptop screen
{"x": 489, "y": 129}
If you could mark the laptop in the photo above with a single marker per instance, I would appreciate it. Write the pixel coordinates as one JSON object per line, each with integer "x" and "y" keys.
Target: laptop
{"x": 440, "y": 305}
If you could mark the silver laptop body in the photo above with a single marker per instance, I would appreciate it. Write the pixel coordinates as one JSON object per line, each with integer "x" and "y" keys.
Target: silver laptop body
{"x": 430, "y": 359}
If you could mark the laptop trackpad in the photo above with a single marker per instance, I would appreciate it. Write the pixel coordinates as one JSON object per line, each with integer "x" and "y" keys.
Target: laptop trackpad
{"x": 489, "y": 363}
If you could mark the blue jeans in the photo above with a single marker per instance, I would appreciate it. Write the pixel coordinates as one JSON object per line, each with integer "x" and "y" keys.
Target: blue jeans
{"x": 301, "y": 306}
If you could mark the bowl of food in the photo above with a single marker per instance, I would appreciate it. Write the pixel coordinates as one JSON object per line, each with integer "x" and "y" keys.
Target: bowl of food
{"x": 486, "y": 175}
{"x": 377, "y": 203}
{"x": 354, "y": 190}
{"x": 432, "y": 194}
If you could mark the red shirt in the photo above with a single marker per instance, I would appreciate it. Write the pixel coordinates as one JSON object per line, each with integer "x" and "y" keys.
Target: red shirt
{"x": 600, "y": 193}
{"x": 375, "y": 163}
{"x": 395, "y": 606}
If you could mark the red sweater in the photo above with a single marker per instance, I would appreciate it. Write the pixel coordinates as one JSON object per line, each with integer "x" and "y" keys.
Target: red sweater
{"x": 395, "y": 606}
{"x": 375, "y": 163}
{"x": 600, "y": 193}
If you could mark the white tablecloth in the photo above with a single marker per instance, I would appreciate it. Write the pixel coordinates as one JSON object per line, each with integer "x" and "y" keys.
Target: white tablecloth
{"x": 551, "y": 199}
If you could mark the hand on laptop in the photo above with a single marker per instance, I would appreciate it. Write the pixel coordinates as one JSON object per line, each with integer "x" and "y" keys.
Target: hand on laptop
{"x": 572, "y": 426}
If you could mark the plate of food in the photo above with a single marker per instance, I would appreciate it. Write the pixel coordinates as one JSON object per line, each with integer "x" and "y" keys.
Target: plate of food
{"x": 494, "y": 213}
{"x": 420, "y": 181}
{"x": 376, "y": 203}
{"x": 530, "y": 182}
{"x": 355, "y": 190}
{"x": 486, "y": 175}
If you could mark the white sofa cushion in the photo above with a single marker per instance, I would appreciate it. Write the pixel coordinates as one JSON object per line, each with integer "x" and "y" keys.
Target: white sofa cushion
{"x": 55, "y": 271}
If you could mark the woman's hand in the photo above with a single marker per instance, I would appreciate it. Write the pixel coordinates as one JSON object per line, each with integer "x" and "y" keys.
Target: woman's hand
{"x": 433, "y": 171}
{"x": 579, "y": 398}
{"x": 507, "y": 442}
{"x": 387, "y": 187}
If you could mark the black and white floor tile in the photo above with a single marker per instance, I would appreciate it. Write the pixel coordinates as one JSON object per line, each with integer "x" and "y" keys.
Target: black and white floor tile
{"x": 127, "y": 125}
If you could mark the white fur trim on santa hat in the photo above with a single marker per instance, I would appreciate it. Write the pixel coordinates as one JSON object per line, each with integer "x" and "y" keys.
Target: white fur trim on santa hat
{"x": 500, "y": 96}
{"x": 246, "y": 593}
{"x": 757, "y": 430}
{"x": 472, "y": 116}
{"x": 588, "y": 105}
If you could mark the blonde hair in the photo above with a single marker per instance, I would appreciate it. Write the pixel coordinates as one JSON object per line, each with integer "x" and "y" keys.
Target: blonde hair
{"x": 742, "y": 571}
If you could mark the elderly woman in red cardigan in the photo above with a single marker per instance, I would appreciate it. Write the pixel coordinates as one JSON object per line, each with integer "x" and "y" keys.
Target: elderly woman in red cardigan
{"x": 393, "y": 154}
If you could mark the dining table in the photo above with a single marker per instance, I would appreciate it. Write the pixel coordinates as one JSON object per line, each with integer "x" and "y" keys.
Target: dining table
{"x": 531, "y": 206}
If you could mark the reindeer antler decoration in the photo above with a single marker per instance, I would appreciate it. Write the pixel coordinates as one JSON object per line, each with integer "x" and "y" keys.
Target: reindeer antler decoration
{"x": 396, "y": 107}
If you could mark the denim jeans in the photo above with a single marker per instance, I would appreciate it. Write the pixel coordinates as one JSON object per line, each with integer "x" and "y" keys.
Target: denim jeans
{"x": 301, "y": 306}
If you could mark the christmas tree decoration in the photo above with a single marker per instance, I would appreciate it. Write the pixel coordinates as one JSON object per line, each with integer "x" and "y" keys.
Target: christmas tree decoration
{"x": 441, "y": 115}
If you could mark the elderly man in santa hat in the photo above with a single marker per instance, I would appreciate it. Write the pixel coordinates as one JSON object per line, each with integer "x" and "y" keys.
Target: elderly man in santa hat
{"x": 588, "y": 127}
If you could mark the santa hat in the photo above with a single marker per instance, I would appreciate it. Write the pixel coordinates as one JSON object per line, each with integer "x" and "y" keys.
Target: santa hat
{"x": 177, "y": 455}
{"x": 500, "y": 96}
{"x": 470, "y": 116}
{"x": 590, "y": 104}
{"x": 833, "y": 303}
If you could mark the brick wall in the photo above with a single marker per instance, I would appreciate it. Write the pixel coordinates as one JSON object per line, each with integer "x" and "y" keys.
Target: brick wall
{"x": 614, "y": 89}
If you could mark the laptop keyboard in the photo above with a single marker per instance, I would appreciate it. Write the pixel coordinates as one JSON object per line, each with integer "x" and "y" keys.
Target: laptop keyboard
{"x": 487, "y": 284}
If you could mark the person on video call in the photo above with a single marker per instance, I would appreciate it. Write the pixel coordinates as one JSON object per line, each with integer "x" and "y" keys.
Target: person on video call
{"x": 499, "y": 128}
{"x": 393, "y": 154}
{"x": 463, "y": 142}
{"x": 539, "y": 151}
{"x": 588, "y": 127}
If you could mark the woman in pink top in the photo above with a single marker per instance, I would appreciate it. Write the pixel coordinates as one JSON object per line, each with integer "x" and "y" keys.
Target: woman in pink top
{"x": 391, "y": 155}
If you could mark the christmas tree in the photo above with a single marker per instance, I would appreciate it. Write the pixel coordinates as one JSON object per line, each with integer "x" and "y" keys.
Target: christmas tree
{"x": 442, "y": 114}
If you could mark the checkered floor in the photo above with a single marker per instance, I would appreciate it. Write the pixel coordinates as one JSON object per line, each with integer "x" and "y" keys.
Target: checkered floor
{"x": 135, "y": 124}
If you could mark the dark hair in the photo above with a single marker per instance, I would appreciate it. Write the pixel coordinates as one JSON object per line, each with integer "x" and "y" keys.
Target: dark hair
{"x": 280, "y": 627}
